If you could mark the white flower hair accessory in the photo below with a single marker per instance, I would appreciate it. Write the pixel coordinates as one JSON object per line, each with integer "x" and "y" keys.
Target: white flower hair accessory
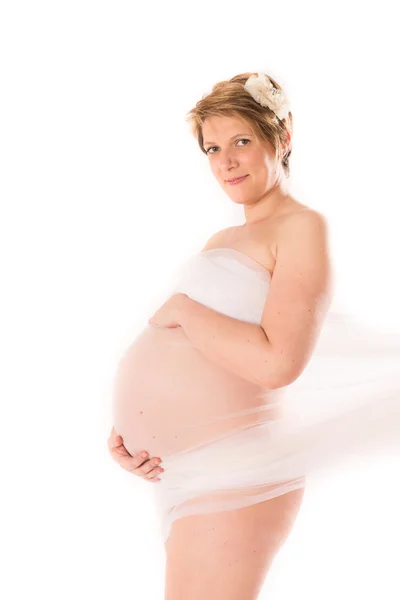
{"x": 261, "y": 88}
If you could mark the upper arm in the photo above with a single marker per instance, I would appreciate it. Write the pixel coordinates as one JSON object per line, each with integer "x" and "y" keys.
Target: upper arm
{"x": 300, "y": 293}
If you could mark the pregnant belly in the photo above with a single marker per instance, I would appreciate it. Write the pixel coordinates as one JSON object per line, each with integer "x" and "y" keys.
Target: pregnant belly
{"x": 168, "y": 397}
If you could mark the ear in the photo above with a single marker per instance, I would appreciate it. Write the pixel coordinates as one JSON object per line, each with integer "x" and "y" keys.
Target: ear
{"x": 288, "y": 138}
{"x": 286, "y": 145}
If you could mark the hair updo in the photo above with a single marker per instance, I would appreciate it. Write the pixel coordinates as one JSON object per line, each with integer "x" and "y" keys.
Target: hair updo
{"x": 229, "y": 98}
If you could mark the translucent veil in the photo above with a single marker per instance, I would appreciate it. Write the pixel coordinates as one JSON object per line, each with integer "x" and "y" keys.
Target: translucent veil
{"x": 227, "y": 444}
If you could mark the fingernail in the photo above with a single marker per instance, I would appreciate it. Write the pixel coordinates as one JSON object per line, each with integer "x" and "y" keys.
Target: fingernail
{"x": 144, "y": 454}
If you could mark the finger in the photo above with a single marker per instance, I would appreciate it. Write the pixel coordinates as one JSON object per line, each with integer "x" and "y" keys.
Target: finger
{"x": 122, "y": 451}
{"x": 148, "y": 465}
{"x": 154, "y": 474}
{"x": 133, "y": 464}
{"x": 114, "y": 439}
{"x": 116, "y": 446}
{"x": 128, "y": 462}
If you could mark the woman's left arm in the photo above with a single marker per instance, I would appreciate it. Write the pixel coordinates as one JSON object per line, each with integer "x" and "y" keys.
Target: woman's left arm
{"x": 242, "y": 348}
{"x": 274, "y": 354}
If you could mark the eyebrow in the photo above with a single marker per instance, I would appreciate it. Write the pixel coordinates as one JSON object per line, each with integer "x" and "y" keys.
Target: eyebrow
{"x": 249, "y": 134}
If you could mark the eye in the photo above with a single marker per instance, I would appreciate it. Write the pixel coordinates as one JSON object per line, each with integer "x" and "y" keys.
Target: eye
{"x": 240, "y": 140}
{"x": 207, "y": 151}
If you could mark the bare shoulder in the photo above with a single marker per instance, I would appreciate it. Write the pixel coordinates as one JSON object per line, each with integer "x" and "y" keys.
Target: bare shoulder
{"x": 303, "y": 246}
{"x": 218, "y": 238}
{"x": 302, "y": 222}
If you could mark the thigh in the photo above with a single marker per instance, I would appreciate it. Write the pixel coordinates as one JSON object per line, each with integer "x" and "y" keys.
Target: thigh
{"x": 227, "y": 554}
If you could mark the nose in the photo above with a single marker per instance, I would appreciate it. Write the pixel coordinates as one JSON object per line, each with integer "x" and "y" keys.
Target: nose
{"x": 226, "y": 160}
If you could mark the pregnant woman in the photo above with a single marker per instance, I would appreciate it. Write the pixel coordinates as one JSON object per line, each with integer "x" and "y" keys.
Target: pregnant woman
{"x": 244, "y": 383}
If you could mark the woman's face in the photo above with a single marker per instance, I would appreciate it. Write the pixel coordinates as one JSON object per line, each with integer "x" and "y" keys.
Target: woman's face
{"x": 233, "y": 150}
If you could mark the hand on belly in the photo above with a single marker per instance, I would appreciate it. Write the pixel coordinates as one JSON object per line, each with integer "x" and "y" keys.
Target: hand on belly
{"x": 168, "y": 397}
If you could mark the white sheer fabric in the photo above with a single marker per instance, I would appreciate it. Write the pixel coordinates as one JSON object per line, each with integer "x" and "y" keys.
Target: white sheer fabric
{"x": 227, "y": 443}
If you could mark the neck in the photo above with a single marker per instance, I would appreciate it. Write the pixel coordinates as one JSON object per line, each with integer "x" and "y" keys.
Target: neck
{"x": 271, "y": 202}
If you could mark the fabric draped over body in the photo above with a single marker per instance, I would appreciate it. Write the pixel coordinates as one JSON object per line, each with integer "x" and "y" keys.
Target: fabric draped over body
{"x": 226, "y": 443}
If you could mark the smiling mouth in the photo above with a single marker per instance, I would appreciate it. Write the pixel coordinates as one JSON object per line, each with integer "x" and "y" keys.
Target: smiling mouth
{"x": 236, "y": 179}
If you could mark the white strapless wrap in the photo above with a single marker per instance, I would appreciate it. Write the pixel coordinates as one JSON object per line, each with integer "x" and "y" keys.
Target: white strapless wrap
{"x": 344, "y": 406}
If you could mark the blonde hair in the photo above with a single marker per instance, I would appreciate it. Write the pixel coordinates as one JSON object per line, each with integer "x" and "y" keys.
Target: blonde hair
{"x": 229, "y": 98}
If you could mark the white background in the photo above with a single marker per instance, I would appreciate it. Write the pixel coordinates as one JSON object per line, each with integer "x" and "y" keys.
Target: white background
{"x": 104, "y": 194}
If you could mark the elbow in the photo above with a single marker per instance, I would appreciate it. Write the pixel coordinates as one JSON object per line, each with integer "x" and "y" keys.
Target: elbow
{"x": 281, "y": 367}
{"x": 274, "y": 380}
{"x": 279, "y": 382}
{"x": 281, "y": 377}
